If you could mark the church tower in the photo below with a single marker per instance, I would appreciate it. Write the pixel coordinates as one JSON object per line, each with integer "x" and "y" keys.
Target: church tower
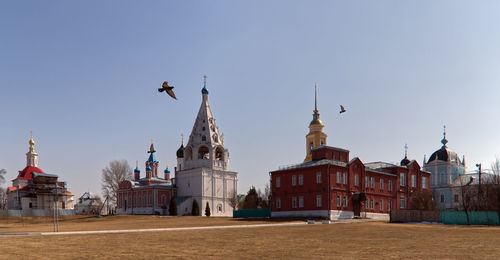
{"x": 152, "y": 164}
{"x": 31, "y": 155}
{"x": 203, "y": 166}
{"x": 316, "y": 137}
{"x": 205, "y": 147}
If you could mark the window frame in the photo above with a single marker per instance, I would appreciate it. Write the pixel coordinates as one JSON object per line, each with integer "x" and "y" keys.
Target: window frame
{"x": 278, "y": 182}
{"x": 319, "y": 203}
{"x": 301, "y": 179}
{"x": 294, "y": 180}
{"x": 318, "y": 178}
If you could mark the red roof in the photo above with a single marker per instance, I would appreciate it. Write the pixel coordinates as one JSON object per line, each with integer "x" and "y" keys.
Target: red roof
{"x": 27, "y": 173}
{"x": 10, "y": 189}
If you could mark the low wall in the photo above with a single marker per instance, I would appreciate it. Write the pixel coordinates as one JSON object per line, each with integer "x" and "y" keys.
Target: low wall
{"x": 300, "y": 214}
{"x": 35, "y": 212}
{"x": 475, "y": 217}
{"x": 414, "y": 216}
{"x": 252, "y": 213}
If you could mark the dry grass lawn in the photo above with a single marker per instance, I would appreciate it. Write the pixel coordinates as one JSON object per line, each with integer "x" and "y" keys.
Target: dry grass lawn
{"x": 373, "y": 240}
{"x": 118, "y": 222}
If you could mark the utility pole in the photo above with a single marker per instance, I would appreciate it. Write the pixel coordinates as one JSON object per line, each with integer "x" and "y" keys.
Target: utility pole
{"x": 479, "y": 166}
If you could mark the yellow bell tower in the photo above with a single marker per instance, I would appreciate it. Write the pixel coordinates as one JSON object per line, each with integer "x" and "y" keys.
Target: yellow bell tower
{"x": 316, "y": 137}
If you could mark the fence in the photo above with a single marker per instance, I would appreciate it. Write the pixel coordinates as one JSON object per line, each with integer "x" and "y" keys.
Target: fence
{"x": 475, "y": 217}
{"x": 35, "y": 212}
{"x": 414, "y": 216}
{"x": 252, "y": 213}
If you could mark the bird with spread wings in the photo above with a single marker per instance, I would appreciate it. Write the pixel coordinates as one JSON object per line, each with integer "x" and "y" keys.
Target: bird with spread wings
{"x": 169, "y": 89}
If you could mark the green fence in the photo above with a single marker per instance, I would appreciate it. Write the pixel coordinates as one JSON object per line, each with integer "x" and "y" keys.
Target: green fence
{"x": 252, "y": 213}
{"x": 476, "y": 218}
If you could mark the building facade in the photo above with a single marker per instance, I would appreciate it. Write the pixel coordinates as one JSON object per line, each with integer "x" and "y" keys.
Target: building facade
{"x": 202, "y": 171}
{"x": 148, "y": 195}
{"x": 445, "y": 167}
{"x": 328, "y": 184}
{"x": 36, "y": 193}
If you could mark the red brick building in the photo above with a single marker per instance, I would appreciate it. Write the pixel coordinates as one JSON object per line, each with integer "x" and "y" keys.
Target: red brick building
{"x": 330, "y": 185}
{"x": 148, "y": 195}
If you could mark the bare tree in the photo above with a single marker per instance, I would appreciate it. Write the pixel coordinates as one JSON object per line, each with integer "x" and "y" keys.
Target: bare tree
{"x": 233, "y": 200}
{"x": 3, "y": 199}
{"x": 3, "y": 194}
{"x": 467, "y": 194}
{"x": 2, "y": 175}
{"x": 422, "y": 200}
{"x": 112, "y": 175}
{"x": 494, "y": 187}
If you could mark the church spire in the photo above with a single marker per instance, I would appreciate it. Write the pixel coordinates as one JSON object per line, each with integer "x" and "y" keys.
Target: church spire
{"x": 316, "y": 136}
{"x": 444, "y": 141}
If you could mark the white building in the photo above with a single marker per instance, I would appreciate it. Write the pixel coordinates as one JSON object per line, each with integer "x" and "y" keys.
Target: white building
{"x": 203, "y": 167}
{"x": 36, "y": 193}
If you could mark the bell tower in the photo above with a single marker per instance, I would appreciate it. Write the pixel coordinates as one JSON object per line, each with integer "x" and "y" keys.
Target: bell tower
{"x": 31, "y": 155}
{"x": 316, "y": 137}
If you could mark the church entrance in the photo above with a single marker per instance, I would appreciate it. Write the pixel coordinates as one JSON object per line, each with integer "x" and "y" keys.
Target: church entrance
{"x": 357, "y": 198}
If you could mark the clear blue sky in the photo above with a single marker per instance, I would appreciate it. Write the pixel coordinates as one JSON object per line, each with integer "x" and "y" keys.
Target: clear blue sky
{"x": 83, "y": 76}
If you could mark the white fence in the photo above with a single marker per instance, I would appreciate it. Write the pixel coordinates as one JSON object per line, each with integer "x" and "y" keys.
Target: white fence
{"x": 35, "y": 212}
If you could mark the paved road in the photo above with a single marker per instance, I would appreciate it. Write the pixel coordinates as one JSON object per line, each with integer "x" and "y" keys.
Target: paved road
{"x": 147, "y": 230}
{"x": 178, "y": 229}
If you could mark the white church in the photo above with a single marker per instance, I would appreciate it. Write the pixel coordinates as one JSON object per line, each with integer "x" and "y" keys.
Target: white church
{"x": 203, "y": 167}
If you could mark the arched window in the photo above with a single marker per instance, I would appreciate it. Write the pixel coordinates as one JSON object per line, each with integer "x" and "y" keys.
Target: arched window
{"x": 219, "y": 153}
{"x": 203, "y": 138}
{"x": 203, "y": 153}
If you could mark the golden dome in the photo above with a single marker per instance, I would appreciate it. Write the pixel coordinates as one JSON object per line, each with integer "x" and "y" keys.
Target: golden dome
{"x": 316, "y": 121}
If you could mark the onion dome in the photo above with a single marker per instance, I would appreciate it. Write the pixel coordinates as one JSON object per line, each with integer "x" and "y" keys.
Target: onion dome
{"x": 180, "y": 151}
{"x": 137, "y": 170}
{"x": 405, "y": 160}
{"x": 148, "y": 169}
{"x": 445, "y": 154}
{"x": 204, "y": 90}
{"x": 166, "y": 170}
{"x": 316, "y": 121}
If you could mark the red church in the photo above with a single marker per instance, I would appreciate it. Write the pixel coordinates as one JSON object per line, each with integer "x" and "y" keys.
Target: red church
{"x": 328, "y": 184}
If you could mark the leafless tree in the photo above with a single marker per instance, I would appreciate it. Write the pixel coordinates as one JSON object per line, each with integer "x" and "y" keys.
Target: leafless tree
{"x": 112, "y": 175}
{"x": 233, "y": 200}
{"x": 3, "y": 199}
{"x": 494, "y": 187}
{"x": 2, "y": 175}
{"x": 422, "y": 200}
{"x": 467, "y": 196}
{"x": 3, "y": 194}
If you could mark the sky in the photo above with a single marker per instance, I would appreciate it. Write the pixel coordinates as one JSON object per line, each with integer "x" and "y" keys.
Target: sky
{"x": 82, "y": 75}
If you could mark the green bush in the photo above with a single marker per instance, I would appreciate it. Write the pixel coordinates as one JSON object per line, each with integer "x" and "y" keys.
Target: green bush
{"x": 195, "y": 209}
{"x": 172, "y": 207}
{"x": 207, "y": 210}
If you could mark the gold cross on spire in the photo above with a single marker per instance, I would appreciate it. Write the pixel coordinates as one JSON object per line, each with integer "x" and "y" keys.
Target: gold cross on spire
{"x": 406, "y": 149}
{"x": 204, "y": 80}
{"x": 182, "y": 139}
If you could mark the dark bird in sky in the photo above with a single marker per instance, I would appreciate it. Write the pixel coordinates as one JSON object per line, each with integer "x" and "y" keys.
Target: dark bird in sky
{"x": 168, "y": 89}
{"x": 342, "y": 109}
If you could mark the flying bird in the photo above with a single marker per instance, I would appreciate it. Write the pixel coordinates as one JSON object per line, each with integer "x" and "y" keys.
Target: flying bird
{"x": 342, "y": 109}
{"x": 168, "y": 89}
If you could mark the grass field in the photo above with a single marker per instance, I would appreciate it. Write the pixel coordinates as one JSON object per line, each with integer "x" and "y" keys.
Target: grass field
{"x": 371, "y": 240}
{"x": 86, "y": 223}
